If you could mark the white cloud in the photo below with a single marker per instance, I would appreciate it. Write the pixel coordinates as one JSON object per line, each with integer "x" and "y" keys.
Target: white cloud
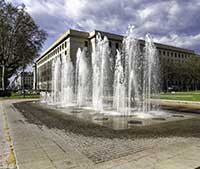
{"x": 185, "y": 41}
{"x": 172, "y": 21}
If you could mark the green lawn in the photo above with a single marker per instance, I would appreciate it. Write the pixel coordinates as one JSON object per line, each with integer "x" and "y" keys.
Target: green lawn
{"x": 18, "y": 96}
{"x": 185, "y": 96}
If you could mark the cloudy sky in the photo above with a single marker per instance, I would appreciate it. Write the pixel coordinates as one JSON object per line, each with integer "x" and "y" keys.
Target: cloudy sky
{"x": 173, "y": 22}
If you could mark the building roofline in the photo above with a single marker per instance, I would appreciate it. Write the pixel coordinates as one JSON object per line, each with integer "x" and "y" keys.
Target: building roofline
{"x": 165, "y": 46}
{"x": 112, "y": 36}
{"x": 70, "y": 32}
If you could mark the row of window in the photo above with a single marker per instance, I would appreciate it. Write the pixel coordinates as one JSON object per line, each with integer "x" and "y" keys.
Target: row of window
{"x": 55, "y": 51}
{"x": 62, "y": 46}
{"x": 175, "y": 60}
{"x": 45, "y": 72}
{"x": 173, "y": 54}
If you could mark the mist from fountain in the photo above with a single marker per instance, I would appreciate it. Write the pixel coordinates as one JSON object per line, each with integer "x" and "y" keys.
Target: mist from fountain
{"x": 101, "y": 73}
{"x": 129, "y": 87}
{"x": 131, "y": 52}
{"x": 83, "y": 78}
{"x": 151, "y": 83}
{"x": 119, "y": 97}
{"x": 136, "y": 76}
{"x": 56, "y": 81}
{"x": 67, "y": 82}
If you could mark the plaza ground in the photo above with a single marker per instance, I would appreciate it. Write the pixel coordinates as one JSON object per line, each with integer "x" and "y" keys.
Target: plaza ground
{"x": 34, "y": 138}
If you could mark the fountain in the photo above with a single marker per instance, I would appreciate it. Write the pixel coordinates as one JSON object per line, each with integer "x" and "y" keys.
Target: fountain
{"x": 119, "y": 97}
{"x": 136, "y": 76}
{"x": 83, "y": 78}
{"x": 67, "y": 82}
{"x": 125, "y": 88}
{"x": 56, "y": 81}
{"x": 101, "y": 73}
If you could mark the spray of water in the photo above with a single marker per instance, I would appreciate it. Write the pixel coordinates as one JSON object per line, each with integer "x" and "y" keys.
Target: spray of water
{"x": 101, "y": 73}
{"x": 135, "y": 74}
{"x": 83, "y": 77}
{"x": 67, "y": 82}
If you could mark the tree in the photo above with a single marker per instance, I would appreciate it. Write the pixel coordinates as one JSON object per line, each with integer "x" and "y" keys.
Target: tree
{"x": 20, "y": 38}
{"x": 185, "y": 75}
{"x": 193, "y": 69}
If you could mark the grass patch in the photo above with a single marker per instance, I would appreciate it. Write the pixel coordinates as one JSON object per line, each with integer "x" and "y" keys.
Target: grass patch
{"x": 19, "y": 96}
{"x": 182, "y": 96}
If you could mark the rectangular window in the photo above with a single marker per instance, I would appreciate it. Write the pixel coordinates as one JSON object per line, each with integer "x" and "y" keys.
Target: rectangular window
{"x": 167, "y": 53}
{"x": 163, "y": 52}
{"x": 86, "y": 43}
{"x": 117, "y": 45}
{"x": 110, "y": 44}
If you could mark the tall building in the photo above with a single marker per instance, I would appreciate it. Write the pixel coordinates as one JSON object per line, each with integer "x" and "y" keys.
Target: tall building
{"x": 68, "y": 44}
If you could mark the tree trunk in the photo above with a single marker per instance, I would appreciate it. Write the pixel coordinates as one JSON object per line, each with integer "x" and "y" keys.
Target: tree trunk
{"x": 3, "y": 78}
{"x": 23, "y": 79}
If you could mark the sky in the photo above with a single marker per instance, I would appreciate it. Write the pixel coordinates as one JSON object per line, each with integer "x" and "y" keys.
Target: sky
{"x": 173, "y": 22}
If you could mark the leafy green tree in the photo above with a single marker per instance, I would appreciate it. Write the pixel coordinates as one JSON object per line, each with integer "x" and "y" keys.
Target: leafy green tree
{"x": 20, "y": 38}
{"x": 186, "y": 74}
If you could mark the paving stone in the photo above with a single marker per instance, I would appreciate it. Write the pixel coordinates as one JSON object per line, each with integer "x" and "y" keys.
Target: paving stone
{"x": 38, "y": 147}
{"x": 41, "y": 164}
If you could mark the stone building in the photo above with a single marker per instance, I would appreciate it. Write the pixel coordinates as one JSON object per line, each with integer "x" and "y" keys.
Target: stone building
{"x": 70, "y": 41}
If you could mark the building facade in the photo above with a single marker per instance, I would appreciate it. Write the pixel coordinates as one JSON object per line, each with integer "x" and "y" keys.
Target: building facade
{"x": 68, "y": 44}
{"x": 23, "y": 80}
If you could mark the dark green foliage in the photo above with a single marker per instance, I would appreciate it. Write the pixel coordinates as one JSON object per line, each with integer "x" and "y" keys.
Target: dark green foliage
{"x": 20, "y": 38}
{"x": 185, "y": 75}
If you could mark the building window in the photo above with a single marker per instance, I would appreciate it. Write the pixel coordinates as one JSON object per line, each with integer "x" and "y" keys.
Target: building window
{"x": 65, "y": 52}
{"x": 86, "y": 43}
{"x": 65, "y": 44}
{"x": 159, "y": 52}
{"x": 110, "y": 44}
{"x": 163, "y": 52}
{"x": 117, "y": 45}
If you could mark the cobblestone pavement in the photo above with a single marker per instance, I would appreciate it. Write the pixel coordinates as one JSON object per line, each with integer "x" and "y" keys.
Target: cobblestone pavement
{"x": 38, "y": 147}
